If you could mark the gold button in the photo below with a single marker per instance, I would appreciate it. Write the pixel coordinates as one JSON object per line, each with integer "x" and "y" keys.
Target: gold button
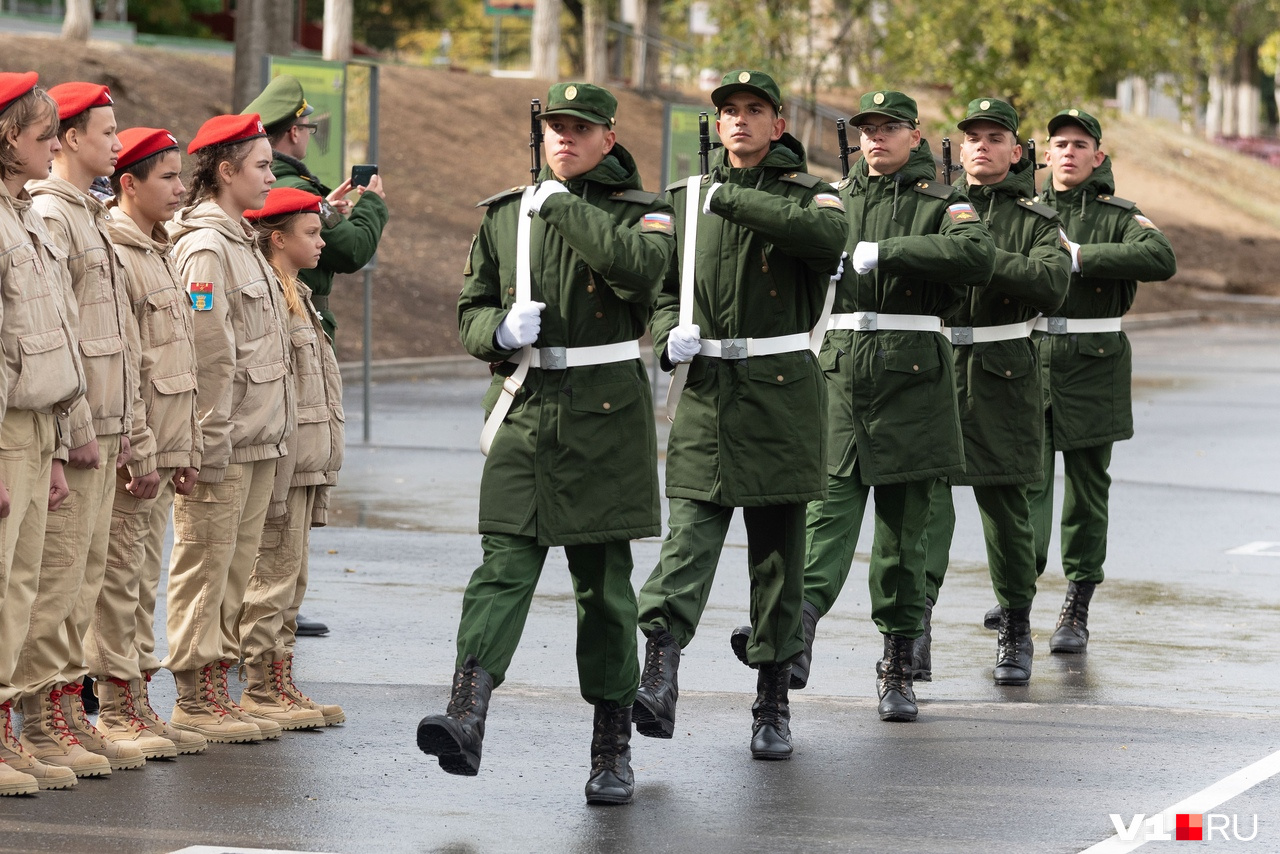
{"x": 779, "y": 377}
{"x": 606, "y": 405}
{"x": 599, "y": 314}
{"x": 1097, "y": 290}
{"x": 1008, "y": 373}
{"x": 511, "y": 290}
{"x": 591, "y": 289}
{"x": 908, "y": 292}
{"x": 1100, "y": 350}
{"x": 773, "y": 293}
{"x": 1006, "y": 300}
{"x": 915, "y": 367}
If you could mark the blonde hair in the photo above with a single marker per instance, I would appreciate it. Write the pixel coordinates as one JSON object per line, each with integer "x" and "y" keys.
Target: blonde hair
{"x": 264, "y": 228}
{"x": 21, "y": 114}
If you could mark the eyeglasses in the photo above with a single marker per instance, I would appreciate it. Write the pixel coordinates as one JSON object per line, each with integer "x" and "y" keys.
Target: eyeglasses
{"x": 888, "y": 128}
{"x": 310, "y": 127}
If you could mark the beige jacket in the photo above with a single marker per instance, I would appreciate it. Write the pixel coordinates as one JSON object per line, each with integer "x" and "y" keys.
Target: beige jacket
{"x": 42, "y": 370}
{"x": 78, "y": 223}
{"x": 167, "y": 435}
{"x": 316, "y": 447}
{"x": 243, "y": 393}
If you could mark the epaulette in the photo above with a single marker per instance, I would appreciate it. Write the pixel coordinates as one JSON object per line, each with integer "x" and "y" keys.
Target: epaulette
{"x": 640, "y": 197}
{"x": 804, "y": 179}
{"x": 501, "y": 195}
{"x": 844, "y": 182}
{"x": 1108, "y": 199}
{"x": 937, "y": 189}
{"x": 683, "y": 182}
{"x": 1035, "y": 207}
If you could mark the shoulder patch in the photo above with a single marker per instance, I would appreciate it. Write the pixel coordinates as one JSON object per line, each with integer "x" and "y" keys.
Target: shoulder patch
{"x": 937, "y": 189}
{"x": 201, "y": 295}
{"x": 1035, "y": 207}
{"x": 804, "y": 179}
{"x": 502, "y": 195}
{"x": 828, "y": 200}
{"x": 663, "y": 223}
{"x": 640, "y": 197}
{"x": 466, "y": 271}
{"x": 1108, "y": 199}
{"x": 1144, "y": 222}
{"x": 962, "y": 212}
{"x": 1063, "y": 240}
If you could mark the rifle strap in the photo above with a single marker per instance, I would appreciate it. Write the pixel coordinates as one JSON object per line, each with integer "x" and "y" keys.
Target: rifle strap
{"x": 524, "y": 292}
{"x": 819, "y": 330}
{"x": 692, "y": 210}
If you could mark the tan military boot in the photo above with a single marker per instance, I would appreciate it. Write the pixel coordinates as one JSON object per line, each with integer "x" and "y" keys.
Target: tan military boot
{"x": 48, "y": 738}
{"x": 270, "y": 729}
{"x": 16, "y": 758}
{"x": 122, "y": 755}
{"x": 199, "y": 711}
{"x": 265, "y": 697}
{"x": 333, "y": 713}
{"x": 119, "y": 721}
{"x": 184, "y": 741}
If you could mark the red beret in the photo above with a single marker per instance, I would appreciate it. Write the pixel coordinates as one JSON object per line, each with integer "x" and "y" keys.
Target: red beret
{"x": 282, "y": 201}
{"x": 141, "y": 143}
{"x": 220, "y": 129}
{"x": 13, "y": 85}
{"x": 74, "y": 98}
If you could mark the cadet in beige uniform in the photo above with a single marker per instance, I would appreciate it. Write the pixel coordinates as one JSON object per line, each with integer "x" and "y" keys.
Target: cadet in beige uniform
{"x": 243, "y": 397}
{"x": 51, "y": 666}
{"x": 165, "y": 439}
{"x": 289, "y": 236}
{"x": 41, "y": 378}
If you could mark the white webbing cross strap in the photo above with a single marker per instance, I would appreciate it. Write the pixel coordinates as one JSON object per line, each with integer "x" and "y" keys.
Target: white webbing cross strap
{"x": 524, "y": 292}
{"x": 692, "y": 210}
{"x": 819, "y": 330}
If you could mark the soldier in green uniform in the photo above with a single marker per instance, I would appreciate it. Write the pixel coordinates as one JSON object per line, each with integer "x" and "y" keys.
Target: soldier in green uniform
{"x": 747, "y": 431}
{"x": 572, "y": 266}
{"x": 1086, "y": 358}
{"x": 998, "y": 379}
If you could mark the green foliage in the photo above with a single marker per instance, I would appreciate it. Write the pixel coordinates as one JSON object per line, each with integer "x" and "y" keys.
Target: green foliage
{"x": 171, "y": 17}
{"x": 380, "y": 23}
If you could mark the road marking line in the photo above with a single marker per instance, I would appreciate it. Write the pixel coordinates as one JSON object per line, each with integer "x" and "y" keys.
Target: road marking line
{"x": 1260, "y": 549}
{"x": 1201, "y": 802}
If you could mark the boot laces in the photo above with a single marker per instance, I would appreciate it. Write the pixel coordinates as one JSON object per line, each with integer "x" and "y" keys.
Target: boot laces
{"x": 209, "y": 683}
{"x": 607, "y": 744}
{"x": 10, "y": 740}
{"x": 1072, "y": 609}
{"x": 128, "y": 705}
{"x": 654, "y": 659}
{"x": 144, "y": 702}
{"x": 288, "y": 678}
{"x": 60, "y": 728}
{"x": 277, "y": 680}
{"x": 224, "y": 693}
{"x": 463, "y": 696}
{"x": 897, "y": 667}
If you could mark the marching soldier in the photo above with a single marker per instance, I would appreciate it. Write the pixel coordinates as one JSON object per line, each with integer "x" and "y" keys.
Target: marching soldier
{"x": 748, "y": 429}
{"x": 998, "y": 379}
{"x": 572, "y": 266}
{"x": 1086, "y": 357}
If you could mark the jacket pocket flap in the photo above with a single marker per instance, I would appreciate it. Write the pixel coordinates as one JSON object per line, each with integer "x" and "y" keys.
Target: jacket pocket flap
{"x": 313, "y": 414}
{"x": 1007, "y": 365}
{"x": 302, "y": 335}
{"x": 175, "y": 384}
{"x": 775, "y": 371}
{"x": 1100, "y": 345}
{"x": 829, "y": 358}
{"x": 43, "y": 342}
{"x": 101, "y": 346}
{"x": 265, "y": 373}
{"x": 606, "y": 398}
{"x": 915, "y": 360}
{"x": 257, "y": 290}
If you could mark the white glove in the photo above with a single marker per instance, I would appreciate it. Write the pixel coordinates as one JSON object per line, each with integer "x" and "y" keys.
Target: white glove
{"x": 1075, "y": 256}
{"x": 545, "y": 190}
{"x": 521, "y": 325}
{"x": 866, "y": 256}
{"x": 706, "y": 202}
{"x": 683, "y": 343}
{"x": 839, "y": 273}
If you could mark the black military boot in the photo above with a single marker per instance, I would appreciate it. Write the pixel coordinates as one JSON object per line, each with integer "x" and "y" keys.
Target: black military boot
{"x": 771, "y": 713}
{"x": 456, "y": 736}
{"x": 740, "y": 636}
{"x": 1014, "y": 648}
{"x": 654, "y": 712}
{"x": 1072, "y": 633}
{"x": 611, "y": 780}
{"x": 897, "y": 697}
{"x": 991, "y": 619}
{"x": 921, "y": 648}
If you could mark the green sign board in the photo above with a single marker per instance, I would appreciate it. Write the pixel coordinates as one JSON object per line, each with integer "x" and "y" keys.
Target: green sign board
{"x": 520, "y": 8}
{"x": 680, "y": 140}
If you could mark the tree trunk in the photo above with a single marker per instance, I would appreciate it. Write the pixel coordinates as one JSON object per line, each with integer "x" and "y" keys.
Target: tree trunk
{"x": 280, "y": 28}
{"x": 77, "y": 24}
{"x": 1247, "y": 93}
{"x": 251, "y": 46}
{"x": 546, "y": 40}
{"x": 595, "y": 40}
{"x": 645, "y": 56}
{"x": 337, "y": 30}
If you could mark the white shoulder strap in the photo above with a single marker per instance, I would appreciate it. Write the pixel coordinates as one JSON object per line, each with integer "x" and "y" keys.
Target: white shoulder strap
{"x": 692, "y": 210}
{"x": 819, "y": 330}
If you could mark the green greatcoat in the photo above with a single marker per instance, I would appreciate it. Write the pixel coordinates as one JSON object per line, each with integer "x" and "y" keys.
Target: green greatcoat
{"x": 749, "y": 432}
{"x": 892, "y": 397}
{"x": 576, "y": 458}
{"x": 1088, "y": 376}
{"x": 348, "y": 245}
{"x": 998, "y": 382}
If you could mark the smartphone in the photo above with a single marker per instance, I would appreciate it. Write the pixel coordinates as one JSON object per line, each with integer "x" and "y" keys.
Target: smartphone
{"x": 362, "y": 172}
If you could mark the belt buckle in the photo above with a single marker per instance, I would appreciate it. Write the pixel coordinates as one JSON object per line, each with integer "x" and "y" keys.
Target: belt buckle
{"x": 962, "y": 335}
{"x": 733, "y": 348}
{"x": 553, "y": 358}
{"x": 1057, "y": 326}
{"x": 869, "y": 322}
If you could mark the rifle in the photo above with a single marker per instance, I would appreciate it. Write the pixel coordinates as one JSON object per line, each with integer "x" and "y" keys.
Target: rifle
{"x": 947, "y": 168}
{"x": 704, "y": 144}
{"x": 845, "y": 149}
{"x": 535, "y": 139}
{"x": 1031, "y": 154}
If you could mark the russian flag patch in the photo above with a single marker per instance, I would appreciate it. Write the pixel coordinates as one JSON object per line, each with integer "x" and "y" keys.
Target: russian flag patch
{"x": 828, "y": 200}
{"x": 658, "y": 222}
{"x": 962, "y": 212}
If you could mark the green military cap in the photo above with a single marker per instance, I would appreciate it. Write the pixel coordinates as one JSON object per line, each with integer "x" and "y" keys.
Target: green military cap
{"x": 990, "y": 110}
{"x": 1078, "y": 117}
{"x": 747, "y": 81}
{"x": 281, "y": 101}
{"x": 582, "y": 101}
{"x": 895, "y": 105}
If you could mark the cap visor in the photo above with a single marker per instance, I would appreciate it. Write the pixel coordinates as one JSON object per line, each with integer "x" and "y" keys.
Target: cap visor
{"x": 720, "y": 95}
{"x": 577, "y": 114}
{"x": 857, "y": 120}
{"x": 964, "y": 123}
{"x": 1058, "y": 121}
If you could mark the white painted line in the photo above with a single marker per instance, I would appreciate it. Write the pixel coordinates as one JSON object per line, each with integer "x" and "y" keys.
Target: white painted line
{"x": 222, "y": 849}
{"x": 1201, "y": 802}
{"x": 1260, "y": 549}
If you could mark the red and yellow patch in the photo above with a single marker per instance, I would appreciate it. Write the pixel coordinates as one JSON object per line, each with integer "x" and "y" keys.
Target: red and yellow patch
{"x": 201, "y": 295}
{"x": 829, "y": 200}
{"x": 962, "y": 212}
{"x": 1144, "y": 222}
{"x": 1062, "y": 239}
{"x": 659, "y": 222}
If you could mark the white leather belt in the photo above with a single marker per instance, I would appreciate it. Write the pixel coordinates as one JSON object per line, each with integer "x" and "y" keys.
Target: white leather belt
{"x": 742, "y": 348}
{"x": 985, "y": 334}
{"x": 872, "y": 321}
{"x": 1068, "y": 325}
{"x": 559, "y": 358}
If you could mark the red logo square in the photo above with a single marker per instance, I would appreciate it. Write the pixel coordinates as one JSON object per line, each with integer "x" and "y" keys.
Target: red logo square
{"x": 1190, "y": 826}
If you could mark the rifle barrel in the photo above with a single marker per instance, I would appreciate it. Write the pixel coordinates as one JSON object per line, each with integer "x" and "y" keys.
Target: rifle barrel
{"x": 535, "y": 139}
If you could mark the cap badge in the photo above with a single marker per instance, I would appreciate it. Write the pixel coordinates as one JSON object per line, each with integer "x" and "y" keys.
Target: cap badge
{"x": 1073, "y": 112}
{"x": 744, "y": 77}
{"x": 301, "y": 109}
{"x": 985, "y": 105}
{"x": 571, "y": 93}
{"x": 879, "y": 98}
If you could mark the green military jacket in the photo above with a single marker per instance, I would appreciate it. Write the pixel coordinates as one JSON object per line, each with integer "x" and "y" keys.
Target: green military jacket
{"x": 892, "y": 393}
{"x": 348, "y": 245}
{"x": 576, "y": 458}
{"x": 1088, "y": 376}
{"x": 749, "y": 432}
{"x": 998, "y": 382}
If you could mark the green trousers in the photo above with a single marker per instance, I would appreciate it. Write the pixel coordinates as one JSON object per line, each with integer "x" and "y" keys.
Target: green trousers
{"x": 1006, "y": 528}
{"x": 1085, "y": 511}
{"x": 496, "y": 604}
{"x": 676, "y": 593}
{"x": 897, "y": 577}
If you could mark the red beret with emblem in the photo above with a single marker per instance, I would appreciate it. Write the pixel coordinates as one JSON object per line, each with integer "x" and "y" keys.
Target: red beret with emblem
{"x": 141, "y": 143}
{"x": 15, "y": 84}
{"x": 74, "y": 98}
{"x": 222, "y": 129}
{"x": 282, "y": 201}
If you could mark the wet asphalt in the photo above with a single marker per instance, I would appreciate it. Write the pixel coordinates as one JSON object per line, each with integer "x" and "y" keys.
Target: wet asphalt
{"x": 1180, "y": 687}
